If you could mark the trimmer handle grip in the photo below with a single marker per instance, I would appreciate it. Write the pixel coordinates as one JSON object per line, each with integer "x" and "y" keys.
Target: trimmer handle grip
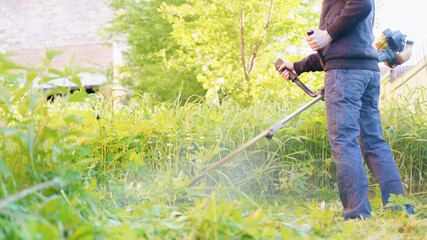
{"x": 296, "y": 80}
{"x": 279, "y": 63}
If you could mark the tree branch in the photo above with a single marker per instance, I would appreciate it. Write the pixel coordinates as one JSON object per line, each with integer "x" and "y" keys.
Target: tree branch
{"x": 242, "y": 42}
{"x": 264, "y": 31}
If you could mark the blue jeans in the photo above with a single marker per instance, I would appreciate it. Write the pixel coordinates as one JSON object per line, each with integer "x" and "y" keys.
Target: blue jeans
{"x": 354, "y": 131}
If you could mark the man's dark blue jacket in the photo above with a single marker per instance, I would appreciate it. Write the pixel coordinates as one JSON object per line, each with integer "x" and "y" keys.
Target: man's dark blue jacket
{"x": 350, "y": 24}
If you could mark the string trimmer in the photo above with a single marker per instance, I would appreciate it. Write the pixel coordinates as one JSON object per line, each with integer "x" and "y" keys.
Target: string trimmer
{"x": 393, "y": 49}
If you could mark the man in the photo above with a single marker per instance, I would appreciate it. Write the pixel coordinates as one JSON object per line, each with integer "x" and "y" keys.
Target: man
{"x": 352, "y": 86}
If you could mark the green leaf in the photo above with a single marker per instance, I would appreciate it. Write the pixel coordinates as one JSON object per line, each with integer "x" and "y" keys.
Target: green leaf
{"x": 68, "y": 217}
{"x": 47, "y": 79}
{"x": 3, "y": 166}
{"x": 31, "y": 76}
{"x": 71, "y": 176}
{"x": 6, "y": 65}
{"x": 42, "y": 230}
{"x": 87, "y": 161}
{"x": 83, "y": 232}
{"x": 55, "y": 71}
{"x": 51, "y": 206}
{"x": 52, "y": 53}
{"x": 78, "y": 96}
{"x": 74, "y": 78}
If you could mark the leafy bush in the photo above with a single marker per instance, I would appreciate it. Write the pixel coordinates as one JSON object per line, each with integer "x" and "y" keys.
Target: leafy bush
{"x": 178, "y": 47}
{"x": 191, "y": 137}
{"x": 82, "y": 168}
{"x": 153, "y": 66}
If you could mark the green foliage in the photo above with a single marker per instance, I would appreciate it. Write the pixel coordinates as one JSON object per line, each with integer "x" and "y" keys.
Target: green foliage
{"x": 191, "y": 137}
{"x": 228, "y": 46}
{"x": 405, "y": 129}
{"x": 34, "y": 153}
{"x": 24, "y": 130}
{"x": 82, "y": 168}
{"x": 235, "y": 42}
{"x": 398, "y": 201}
{"x": 154, "y": 64}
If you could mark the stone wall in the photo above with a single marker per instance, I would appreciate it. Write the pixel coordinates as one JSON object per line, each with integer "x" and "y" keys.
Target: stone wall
{"x": 69, "y": 25}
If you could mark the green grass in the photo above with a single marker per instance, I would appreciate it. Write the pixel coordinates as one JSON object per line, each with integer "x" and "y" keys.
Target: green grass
{"x": 83, "y": 168}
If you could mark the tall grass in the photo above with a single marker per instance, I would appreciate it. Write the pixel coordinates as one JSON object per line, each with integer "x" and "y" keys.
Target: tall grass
{"x": 111, "y": 143}
{"x": 84, "y": 167}
{"x": 188, "y": 138}
{"x": 405, "y": 128}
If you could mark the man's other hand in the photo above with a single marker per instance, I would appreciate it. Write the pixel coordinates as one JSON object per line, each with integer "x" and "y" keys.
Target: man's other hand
{"x": 318, "y": 40}
{"x": 290, "y": 67}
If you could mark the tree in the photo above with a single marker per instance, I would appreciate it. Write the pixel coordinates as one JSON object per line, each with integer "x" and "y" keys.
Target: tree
{"x": 229, "y": 46}
{"x": 151, "y": 60}
{"x": 236, "y": 42}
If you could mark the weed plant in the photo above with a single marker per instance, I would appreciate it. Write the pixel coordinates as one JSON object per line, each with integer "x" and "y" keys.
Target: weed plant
{"x": 185, "y": 139}
{"x": 83, "y": 168}
{"x": 406, "y": 132}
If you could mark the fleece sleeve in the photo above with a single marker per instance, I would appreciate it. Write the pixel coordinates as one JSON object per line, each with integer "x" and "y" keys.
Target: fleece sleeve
{"x": 308, "y": 64}
{"x": 353, "y": 13}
